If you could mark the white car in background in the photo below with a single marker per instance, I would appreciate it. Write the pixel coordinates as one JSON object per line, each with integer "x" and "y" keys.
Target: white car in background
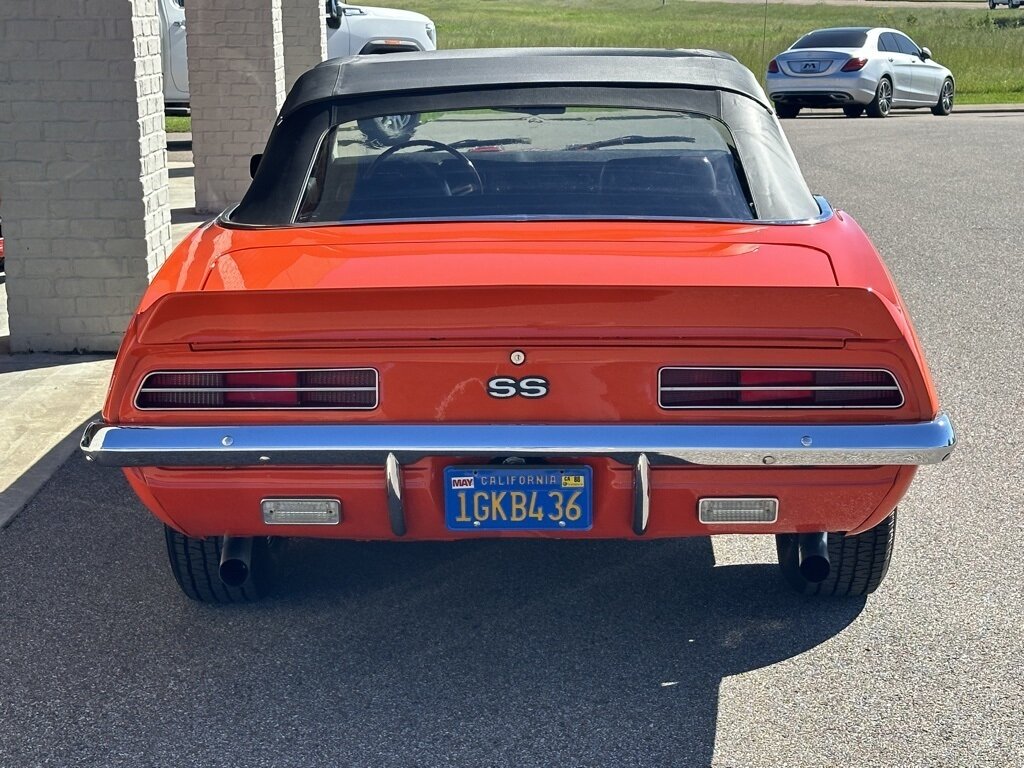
{"x": 858, "y": 69}
{"x": 351, "y": 29}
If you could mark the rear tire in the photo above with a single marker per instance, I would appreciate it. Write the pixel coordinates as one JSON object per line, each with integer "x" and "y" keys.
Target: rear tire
{"x": 858, "y": 563}
{"x": 945, "y": 103}
{"x": 853, "y": 110}
{"x": 195, "y": 564}
{"x": 881, "y": 105}
{"x": 786, "y": 111}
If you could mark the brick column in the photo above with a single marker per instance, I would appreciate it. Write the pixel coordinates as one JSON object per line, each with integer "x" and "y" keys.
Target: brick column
{"x": 304, "y": 31}
{"x": 83, "y": 175}
{"x": 236, "y": 79}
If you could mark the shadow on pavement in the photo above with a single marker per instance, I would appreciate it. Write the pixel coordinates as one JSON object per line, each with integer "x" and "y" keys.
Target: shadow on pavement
{"x": 10, "y": 363}
{"x": 27, "y": 484}
{"x": 475, "y": 653}
{"x": 187, "y": 216}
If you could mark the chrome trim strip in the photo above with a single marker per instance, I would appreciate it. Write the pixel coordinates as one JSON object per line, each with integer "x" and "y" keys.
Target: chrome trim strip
{"x": 825, "y": 213}
{"x": 770, "y": 388}
{"x": 231, "y": 408}
{"x": 927, "y": 442}
{"x": 641, "y": 494}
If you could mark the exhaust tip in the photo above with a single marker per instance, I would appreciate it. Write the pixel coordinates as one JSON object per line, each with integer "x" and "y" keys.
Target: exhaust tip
{"x": 234, "y": 572}
{"x": 235, "y": 556}
{"x": 812, "y": 549}
{"x": 815, "y": 569}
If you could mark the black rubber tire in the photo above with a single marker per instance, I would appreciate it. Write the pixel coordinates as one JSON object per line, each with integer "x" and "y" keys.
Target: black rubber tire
{"x": 945, "y": 103}
{"x": 859, "y": 563}
{"x": 391, "y": 129}
{"x": 881, "y": 105}
{"x": 853, "y": 110}
{"x": 195, "y": 564}
{"x": 991, "y": 5}
{"x": 786, "y": 111}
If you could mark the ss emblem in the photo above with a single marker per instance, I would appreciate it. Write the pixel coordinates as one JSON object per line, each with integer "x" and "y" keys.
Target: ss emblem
{"x": 506, "y": 386}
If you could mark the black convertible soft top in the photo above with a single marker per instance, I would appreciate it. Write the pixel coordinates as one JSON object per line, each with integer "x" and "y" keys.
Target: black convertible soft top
{"x": 481, "y": 68}
{"x": 359, "y": 87}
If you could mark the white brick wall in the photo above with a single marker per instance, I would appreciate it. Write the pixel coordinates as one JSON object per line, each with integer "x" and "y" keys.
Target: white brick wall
{"x": 236, "y": 80}
{"x": 83, "y": 175}
{"x": 304, "y": 32}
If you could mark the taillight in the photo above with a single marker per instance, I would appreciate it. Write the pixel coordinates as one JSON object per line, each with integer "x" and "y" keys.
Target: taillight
{"x": 777, "y": 388}
{"x": 340, "y": 388}
{"x": 773, "y": 67}
{"x": 854, "y": 65}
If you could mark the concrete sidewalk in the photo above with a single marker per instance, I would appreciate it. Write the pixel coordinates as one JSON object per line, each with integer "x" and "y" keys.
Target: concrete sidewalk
{"x": 46, "y": 399}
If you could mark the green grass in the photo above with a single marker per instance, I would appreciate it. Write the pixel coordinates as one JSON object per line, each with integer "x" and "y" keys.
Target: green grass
{"x": 177, "y": 124}
{"x": 985, "y": 50}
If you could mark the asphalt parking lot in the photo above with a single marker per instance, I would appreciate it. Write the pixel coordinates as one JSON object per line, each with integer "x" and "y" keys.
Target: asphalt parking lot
{"x": 585, "y": 653}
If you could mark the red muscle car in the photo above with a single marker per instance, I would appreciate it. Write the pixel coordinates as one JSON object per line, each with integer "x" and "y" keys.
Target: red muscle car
{"x": 590, "y": 297}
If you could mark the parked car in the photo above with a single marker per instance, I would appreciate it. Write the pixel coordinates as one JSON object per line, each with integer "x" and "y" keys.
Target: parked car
{"x": 1011, "y": 4}
{"x": 858, "y": 69}
{"x": 351, "y": 29}
{"x": 593, "y": 298}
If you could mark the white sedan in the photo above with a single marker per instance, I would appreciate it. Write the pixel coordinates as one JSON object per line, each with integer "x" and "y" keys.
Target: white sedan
{"x": 859, "y": 69}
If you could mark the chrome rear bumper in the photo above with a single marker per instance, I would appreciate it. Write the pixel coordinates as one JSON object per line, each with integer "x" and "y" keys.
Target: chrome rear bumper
{"x": 917, "y": 443}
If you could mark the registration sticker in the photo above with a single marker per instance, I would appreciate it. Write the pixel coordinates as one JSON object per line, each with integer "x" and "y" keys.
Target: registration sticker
{"x": 518, "y": 498}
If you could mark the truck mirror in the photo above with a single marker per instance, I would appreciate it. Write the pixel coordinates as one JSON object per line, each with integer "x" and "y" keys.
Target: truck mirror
{"x": 334, "y": 13}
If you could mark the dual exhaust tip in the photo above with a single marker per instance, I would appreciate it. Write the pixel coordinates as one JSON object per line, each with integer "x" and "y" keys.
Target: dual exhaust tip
{"x": 236, "y": 558}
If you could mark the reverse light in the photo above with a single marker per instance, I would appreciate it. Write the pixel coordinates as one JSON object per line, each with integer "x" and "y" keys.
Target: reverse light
{"x": 732, "y": 510}
{"x": 331, "y": 388}
{"x": 773, "y": 67}
{"x": 301, "y": 511}
{"x": 855, "y": 64}
{"x": 777, "y": 388}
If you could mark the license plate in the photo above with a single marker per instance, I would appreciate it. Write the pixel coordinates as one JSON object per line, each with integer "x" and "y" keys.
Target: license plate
{"x": 521, "y": 498}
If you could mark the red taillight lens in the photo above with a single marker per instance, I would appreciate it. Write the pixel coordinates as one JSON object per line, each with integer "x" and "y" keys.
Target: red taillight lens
{"x": 344, "y": 388}
{"x": 854, "y": 65}
{"x": 773, "y": 67}
{"x": 777, "y": 388}
{"x": 261, "y": 389}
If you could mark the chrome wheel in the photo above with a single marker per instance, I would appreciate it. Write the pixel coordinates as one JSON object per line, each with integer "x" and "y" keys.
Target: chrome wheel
{"x": 882, "y": 103}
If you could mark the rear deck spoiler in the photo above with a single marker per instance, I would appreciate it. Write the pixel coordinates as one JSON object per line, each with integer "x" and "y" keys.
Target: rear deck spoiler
{"x": 528, "y": 313}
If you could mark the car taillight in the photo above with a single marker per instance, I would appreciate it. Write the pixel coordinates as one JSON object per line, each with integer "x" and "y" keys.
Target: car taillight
{"x": 773, "y": 67}
{"x": 854, "y": 65}
{"x": 339, "y": 388}
{"x": 777, "y": 388}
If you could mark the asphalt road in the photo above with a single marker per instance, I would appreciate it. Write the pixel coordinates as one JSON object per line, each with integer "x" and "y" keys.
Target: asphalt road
{"x": 585, "y": 654}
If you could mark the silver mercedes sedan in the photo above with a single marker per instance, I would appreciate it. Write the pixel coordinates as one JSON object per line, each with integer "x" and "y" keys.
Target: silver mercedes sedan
{"x": 859, "y": 69}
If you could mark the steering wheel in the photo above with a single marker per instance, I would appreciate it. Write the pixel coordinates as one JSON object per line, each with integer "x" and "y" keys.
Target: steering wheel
{"x": 476, "y": 187}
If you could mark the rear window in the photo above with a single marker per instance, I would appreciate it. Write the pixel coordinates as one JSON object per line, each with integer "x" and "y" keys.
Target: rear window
{"x": 527, "y": 163}
{"x": 833, "y": 38}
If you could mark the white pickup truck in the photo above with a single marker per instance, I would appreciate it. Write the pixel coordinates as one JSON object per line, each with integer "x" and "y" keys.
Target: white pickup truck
{"x": 351, "y": 29}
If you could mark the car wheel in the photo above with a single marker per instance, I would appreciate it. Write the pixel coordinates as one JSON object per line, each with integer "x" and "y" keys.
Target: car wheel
{"x": 881, "y": 105}
{"x": 786, "y": 111}
{"x": 195, "y": 564}
{"x": 853, "y": 110}
{"x": 945, "y": 103}
{"x": 389, "y": 129}
{"x": 991, "y": 5}
{"x": 858, "y": 564}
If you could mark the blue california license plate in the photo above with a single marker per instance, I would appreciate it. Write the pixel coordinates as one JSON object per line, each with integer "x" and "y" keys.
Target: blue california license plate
{"x": 521, "y": 498}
